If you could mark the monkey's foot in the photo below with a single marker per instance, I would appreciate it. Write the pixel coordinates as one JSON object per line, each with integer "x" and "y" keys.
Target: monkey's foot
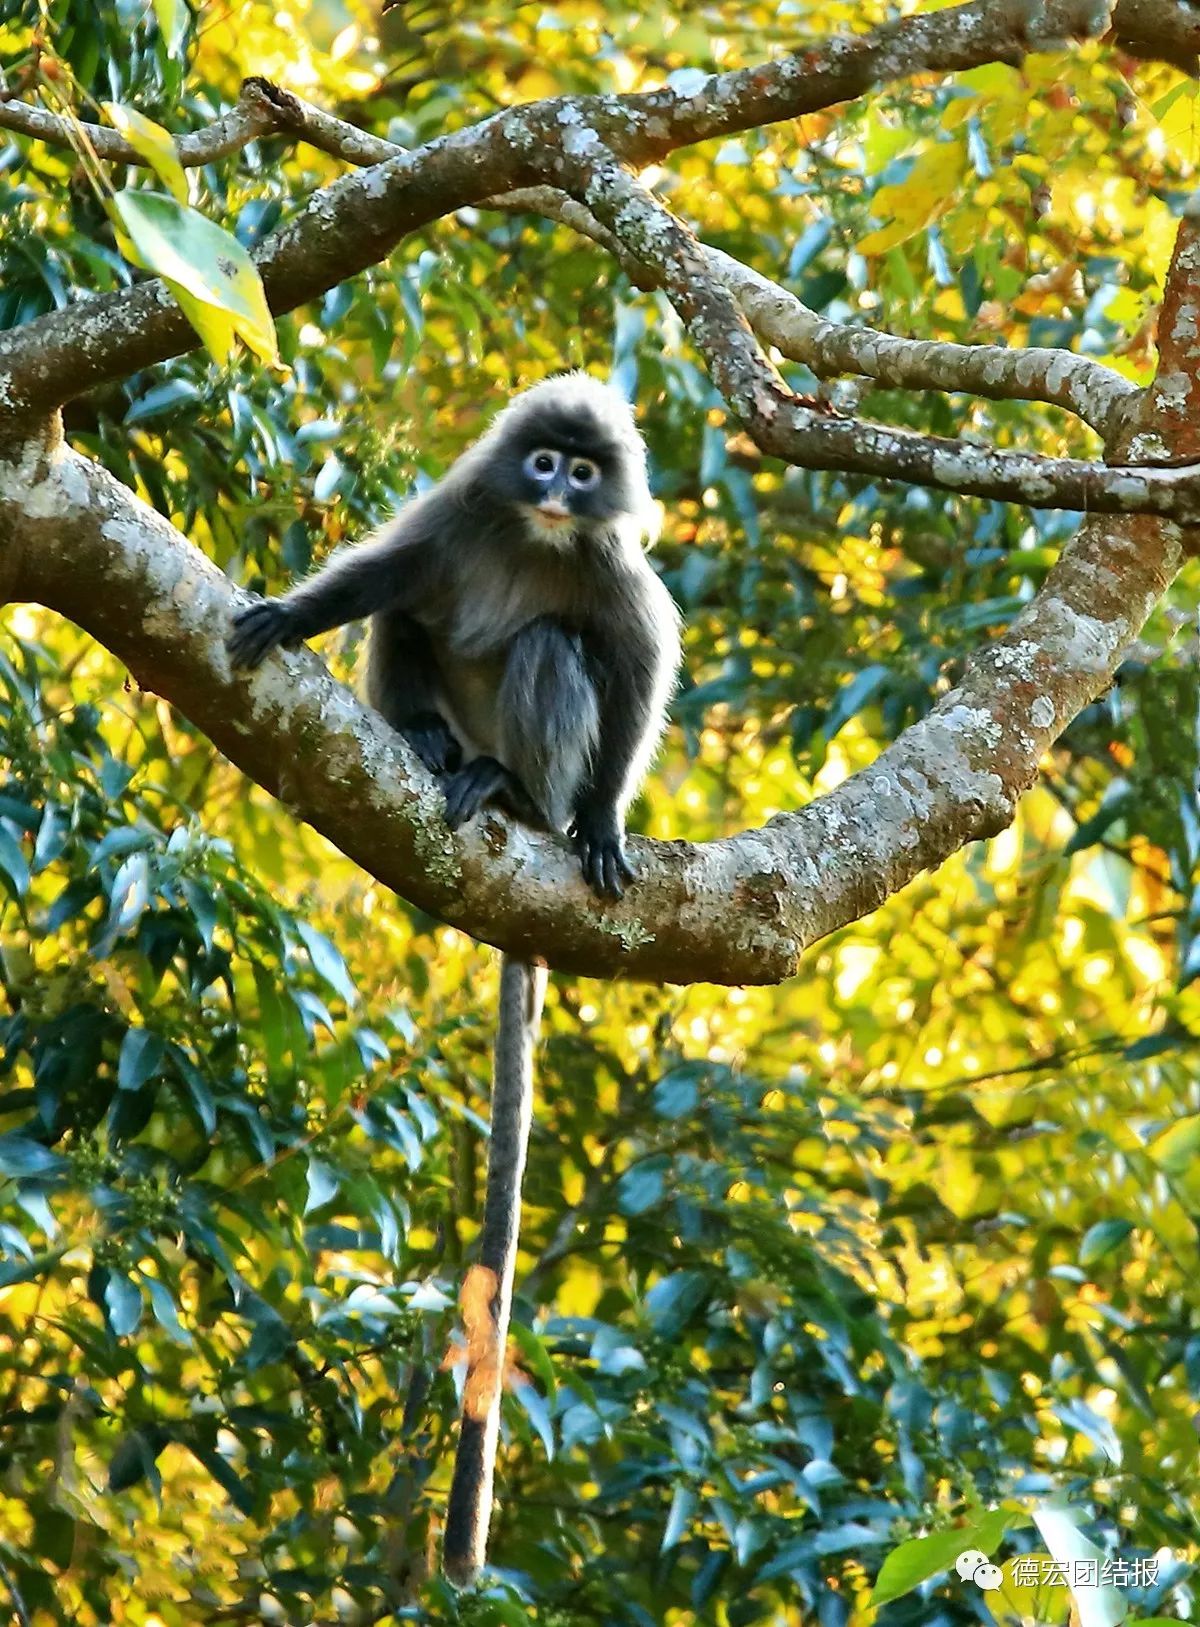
{"x": 601, "y": 850}
{"x": 485, "y": 780}
{"x": 430, "y": 737}
{"x": 258, "y": 631}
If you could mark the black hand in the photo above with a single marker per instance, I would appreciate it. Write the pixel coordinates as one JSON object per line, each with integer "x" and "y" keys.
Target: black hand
{"x": 430, "y": 737}
{"x": 601, "y": 849}
{"x": 471, "y": 787}
{"x": 258, "y": 631}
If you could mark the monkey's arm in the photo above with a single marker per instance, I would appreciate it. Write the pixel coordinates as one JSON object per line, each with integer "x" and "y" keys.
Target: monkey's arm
{"x": 635, "y": 664}
{"x": 392, "y": 572}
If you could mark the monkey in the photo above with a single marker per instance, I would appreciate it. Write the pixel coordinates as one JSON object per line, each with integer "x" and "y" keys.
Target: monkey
{"x": 524, "y": 647}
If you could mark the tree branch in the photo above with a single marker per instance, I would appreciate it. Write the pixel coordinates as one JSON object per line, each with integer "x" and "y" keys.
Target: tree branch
{"x": 358, "y": 220}
{"x": 740, "y": 910}
{"x": 1093, "y": 392}
{"x": 1084, "y": 387}
{"x": 1097, "y": 394}
{"x": 262, "y": 108}
{"x": 787, "y": 427}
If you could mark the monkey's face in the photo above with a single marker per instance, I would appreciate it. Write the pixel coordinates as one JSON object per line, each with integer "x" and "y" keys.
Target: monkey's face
{"x": 562, "y": 488}
{"x": 564, "y": 472}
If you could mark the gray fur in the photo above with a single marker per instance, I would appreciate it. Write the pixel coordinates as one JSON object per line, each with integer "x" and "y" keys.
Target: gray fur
{"x": 549, "y": 717}
{"x": 551, "y": 649}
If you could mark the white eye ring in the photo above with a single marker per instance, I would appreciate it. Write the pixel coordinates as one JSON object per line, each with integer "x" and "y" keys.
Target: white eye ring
{"x": 583, "y": 474}
{"x": 542, "y": 463}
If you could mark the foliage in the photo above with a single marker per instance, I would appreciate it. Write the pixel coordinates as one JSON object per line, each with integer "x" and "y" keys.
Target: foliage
{"x": 820, "y": 1285}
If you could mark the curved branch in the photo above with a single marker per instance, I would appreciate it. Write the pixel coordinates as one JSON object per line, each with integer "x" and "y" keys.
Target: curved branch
{"x": 740, "y": 910}
{"x": 787, "y": 427}
{"x": 1097, "y": 394}
{"x": 1093, "y": 392}
{"x": 1059, "y": 377}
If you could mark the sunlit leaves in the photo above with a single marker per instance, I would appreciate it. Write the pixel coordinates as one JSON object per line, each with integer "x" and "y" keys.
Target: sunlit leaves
{"x": 929, "y": 188}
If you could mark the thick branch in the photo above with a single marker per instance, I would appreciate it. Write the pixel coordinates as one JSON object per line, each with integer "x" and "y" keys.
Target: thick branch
{"x": 734, "y": 911}
{"x": 1082, "y": 386}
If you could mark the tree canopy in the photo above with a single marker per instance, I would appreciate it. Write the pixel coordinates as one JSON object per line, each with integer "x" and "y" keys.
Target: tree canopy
{"x": 861, "y": 1209}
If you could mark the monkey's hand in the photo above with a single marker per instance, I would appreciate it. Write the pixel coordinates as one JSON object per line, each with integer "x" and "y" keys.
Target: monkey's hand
{"x": 601, "y": 848}
{"x": 258, "y": 631}
{"x": 429, "y": 736}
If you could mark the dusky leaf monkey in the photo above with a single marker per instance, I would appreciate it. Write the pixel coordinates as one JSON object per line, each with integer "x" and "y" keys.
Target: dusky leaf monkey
{"x": 525, "y": 649}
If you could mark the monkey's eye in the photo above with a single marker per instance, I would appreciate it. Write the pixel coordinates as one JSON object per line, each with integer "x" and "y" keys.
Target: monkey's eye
{"x": 583, "y": 474}
{"x": 541, "y": 463}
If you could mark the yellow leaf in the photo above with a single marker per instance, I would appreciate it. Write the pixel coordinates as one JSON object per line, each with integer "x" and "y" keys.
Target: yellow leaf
{"x": 957, "y": 1181}
{"x": 1176, "y": 1148}
{"x": 215, "y": 326}
{"x": 883, "y": 142}
{"x": 167, "y": 12}
{"x": 156, "y": 146}
{"x": 1158, "y": 239}
{"x": 931, "y": 186}
{"x": 1179, "y": 124}
{"x": 197, "y": 257}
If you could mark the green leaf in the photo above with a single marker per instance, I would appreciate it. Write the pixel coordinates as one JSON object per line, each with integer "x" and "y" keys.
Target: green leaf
{"x": 537, "y": 1358}
{"x": 209, "y": 272}
{"x": 164, "y": 1310}
{"x": 271, "y": 1338}
{"x": 52, "y": 836}
{"x": 683, "y": 1506}
{"x": 118, "y": 1297}
{"x": 916, "y": 1560}
{"x": 134, "y": 1458}
{"x": 12, "y": 863}
{"x": 19, "y": 1155}
{"x": 1102, "y": 1238}
{"x": 142, "y": 1052}
{"x": 328, "y": 961}
{"x": 672, "y": 1300}
{"x": 641, "y": 1187}
{"x": 226, "y": 1477}
{"x": 323, "y": 1183}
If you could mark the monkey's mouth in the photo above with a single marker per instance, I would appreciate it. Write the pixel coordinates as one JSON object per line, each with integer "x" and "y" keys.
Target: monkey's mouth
{"x": 550, "y": 519}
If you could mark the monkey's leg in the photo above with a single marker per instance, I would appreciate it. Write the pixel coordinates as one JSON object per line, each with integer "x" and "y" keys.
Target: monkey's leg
{"x": 402, "y": 684}
{"x": 487, "y": 1290}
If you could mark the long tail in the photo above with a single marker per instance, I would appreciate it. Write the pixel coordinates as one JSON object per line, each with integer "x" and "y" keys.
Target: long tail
{"x": 488, "y": 1286}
